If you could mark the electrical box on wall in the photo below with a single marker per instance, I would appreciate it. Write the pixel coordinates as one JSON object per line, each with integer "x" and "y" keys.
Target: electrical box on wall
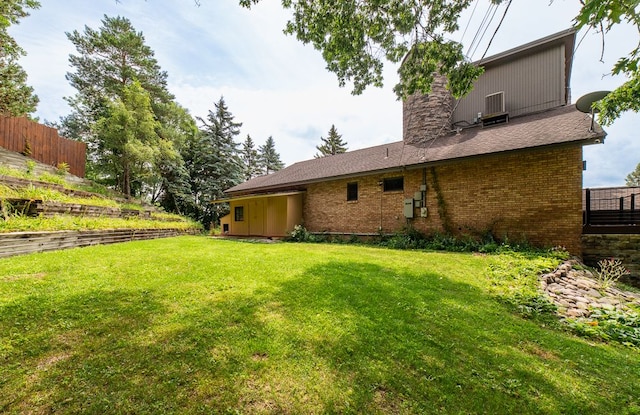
{"x": 417, "y": 196}
{"x": 423, "y": 212}
{"x": 408, "y": 208}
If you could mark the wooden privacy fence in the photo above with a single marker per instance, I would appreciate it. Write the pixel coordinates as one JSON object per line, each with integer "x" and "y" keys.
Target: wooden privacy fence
{"x": 44, "y": 143}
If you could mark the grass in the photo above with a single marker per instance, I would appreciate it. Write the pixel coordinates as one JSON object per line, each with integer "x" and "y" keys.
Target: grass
{"x": 26, "y": 174}
{"x": 195, "y": 325}
{"x": 40, "y": 193}
{"x": 18, "y": 223}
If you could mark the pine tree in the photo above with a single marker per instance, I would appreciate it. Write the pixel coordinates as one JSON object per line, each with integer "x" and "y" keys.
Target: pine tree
{"x": 633, "y": 178}
{"x": 331, "y": 145}
{"x": 268, "y": 158}
{"x": 111, "y": 58}
{"x": 16, "y": 97}
{"x": 218, "y": 166}
{"x": 249, "y": 157}
{"x": 108, "y": 61}
{"x": 174, "y": 191}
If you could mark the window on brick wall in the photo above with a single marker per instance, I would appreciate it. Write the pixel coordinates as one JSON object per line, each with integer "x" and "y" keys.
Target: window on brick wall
{"x": 352, "y": 192}
{"x": 238, "y": 213}
{"x": 393, "y": 184}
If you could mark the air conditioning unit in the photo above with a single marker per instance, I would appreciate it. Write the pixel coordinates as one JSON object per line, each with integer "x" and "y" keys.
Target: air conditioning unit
{"x": 494, "y": 104}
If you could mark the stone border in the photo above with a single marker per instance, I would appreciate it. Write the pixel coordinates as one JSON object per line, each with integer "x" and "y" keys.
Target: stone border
{"x": 577, "y": 293}
{"x": 18, "y": 243}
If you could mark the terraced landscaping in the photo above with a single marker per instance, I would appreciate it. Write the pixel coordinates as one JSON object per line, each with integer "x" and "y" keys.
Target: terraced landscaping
{"x": 47, "y": 212}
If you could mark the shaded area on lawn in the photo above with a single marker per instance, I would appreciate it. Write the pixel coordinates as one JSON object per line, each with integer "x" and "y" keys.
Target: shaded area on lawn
{"x": 303, "y": 330}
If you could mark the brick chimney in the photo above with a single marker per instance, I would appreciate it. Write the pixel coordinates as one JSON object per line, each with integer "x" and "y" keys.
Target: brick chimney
{"x": 425, "y": 117}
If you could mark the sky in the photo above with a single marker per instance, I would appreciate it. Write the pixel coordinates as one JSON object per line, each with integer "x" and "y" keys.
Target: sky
{"x": 278, "y": 87}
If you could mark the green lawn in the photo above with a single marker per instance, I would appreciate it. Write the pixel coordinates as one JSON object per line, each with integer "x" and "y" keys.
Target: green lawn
{"x": 195, "y": 325}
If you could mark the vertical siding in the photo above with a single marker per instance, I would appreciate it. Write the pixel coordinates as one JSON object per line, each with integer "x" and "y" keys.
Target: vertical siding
{"x": 265, "y": 216}
{"x": 46, "y": 145}
{"x": 532, "y": 83}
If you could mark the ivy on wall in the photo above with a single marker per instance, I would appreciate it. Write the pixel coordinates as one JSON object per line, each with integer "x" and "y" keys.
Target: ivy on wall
{"x": 447, "y": 225}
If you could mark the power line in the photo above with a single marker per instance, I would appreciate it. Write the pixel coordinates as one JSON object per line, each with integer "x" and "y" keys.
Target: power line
{"x": 497, "y": 28}
{"x": 485, "y": 30}
{"x": 484, "y": 26}
{"x": 469, "y": 21}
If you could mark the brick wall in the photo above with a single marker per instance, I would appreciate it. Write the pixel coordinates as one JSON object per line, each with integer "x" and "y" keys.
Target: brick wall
{"x": 533, "y": 196}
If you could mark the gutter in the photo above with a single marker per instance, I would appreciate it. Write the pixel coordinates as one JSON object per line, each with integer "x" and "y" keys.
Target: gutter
{"x": 255, "y": 196}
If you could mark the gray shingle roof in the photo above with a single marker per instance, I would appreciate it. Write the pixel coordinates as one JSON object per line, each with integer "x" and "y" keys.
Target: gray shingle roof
{"x": 558, "y": 126}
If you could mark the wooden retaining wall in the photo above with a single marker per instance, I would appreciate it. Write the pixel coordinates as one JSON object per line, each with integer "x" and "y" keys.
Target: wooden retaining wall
{"x": 18, "y": 243}
{"x": 49, "y": 209}
{"x": 45, "y": 143}
{"x": 19, "y": 183}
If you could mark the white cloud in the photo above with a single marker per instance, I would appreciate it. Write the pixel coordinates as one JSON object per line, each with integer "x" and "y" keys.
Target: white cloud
{"x": 278, "y": 87}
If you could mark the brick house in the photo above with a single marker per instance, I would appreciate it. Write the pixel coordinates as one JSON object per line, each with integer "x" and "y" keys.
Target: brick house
{"x": 507, "y": 158}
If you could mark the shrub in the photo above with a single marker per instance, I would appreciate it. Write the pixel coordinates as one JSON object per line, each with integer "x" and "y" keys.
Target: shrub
{"x": 31, "y": 165}
{"x": 300, "y": 234}
{"x": 62, "y": 169}
{"x": 611, "y": 270}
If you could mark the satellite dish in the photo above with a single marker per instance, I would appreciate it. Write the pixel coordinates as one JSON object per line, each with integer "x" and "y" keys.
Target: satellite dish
{"x": 585, "y": 102}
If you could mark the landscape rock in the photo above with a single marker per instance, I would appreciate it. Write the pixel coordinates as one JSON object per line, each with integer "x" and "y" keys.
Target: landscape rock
{"x": 576, "y": 292}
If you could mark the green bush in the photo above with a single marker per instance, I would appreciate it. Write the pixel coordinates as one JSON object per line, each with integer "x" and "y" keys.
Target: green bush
{"x": 300, "y": 234}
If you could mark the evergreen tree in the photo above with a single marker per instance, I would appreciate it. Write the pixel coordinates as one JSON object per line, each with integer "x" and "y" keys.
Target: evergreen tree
{"x": 268, "y": 158}
{"x": 111, "y": 58}
{"x": 249, "y": 157}
{"x": 108, "y": 61}
{"x": 331, "y": 145}
{"x": 633, "y": 178}
{"x": 174, "y": 190}
{"x": 215, "y": 164}
{"x": 16, "y": 97}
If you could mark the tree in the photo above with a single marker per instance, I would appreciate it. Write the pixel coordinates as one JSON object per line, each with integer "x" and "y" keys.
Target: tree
{"x": 108, "y": 60}
{"x": 16, "y": 97}
{"x": 331, "y": 145}
{"x": 214, "y": 163}
{"x": 173, "y": 190}
{"x": 130, "y": 146}
{"x": 603, "y": 15}
{"x": 633, "y": 178}
{"x": 112, "y": 57}
{"x": 268, "y": 158}
{"x": 249, "y": 157}
{"x": 355, "y": 37}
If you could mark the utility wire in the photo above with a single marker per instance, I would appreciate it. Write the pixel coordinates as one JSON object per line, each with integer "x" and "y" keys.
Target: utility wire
{"x": 495, "y": 9}
{"x": 470, "y": 19}
{"x": 475, "y": 37}
{"x": 496, "y": 31}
